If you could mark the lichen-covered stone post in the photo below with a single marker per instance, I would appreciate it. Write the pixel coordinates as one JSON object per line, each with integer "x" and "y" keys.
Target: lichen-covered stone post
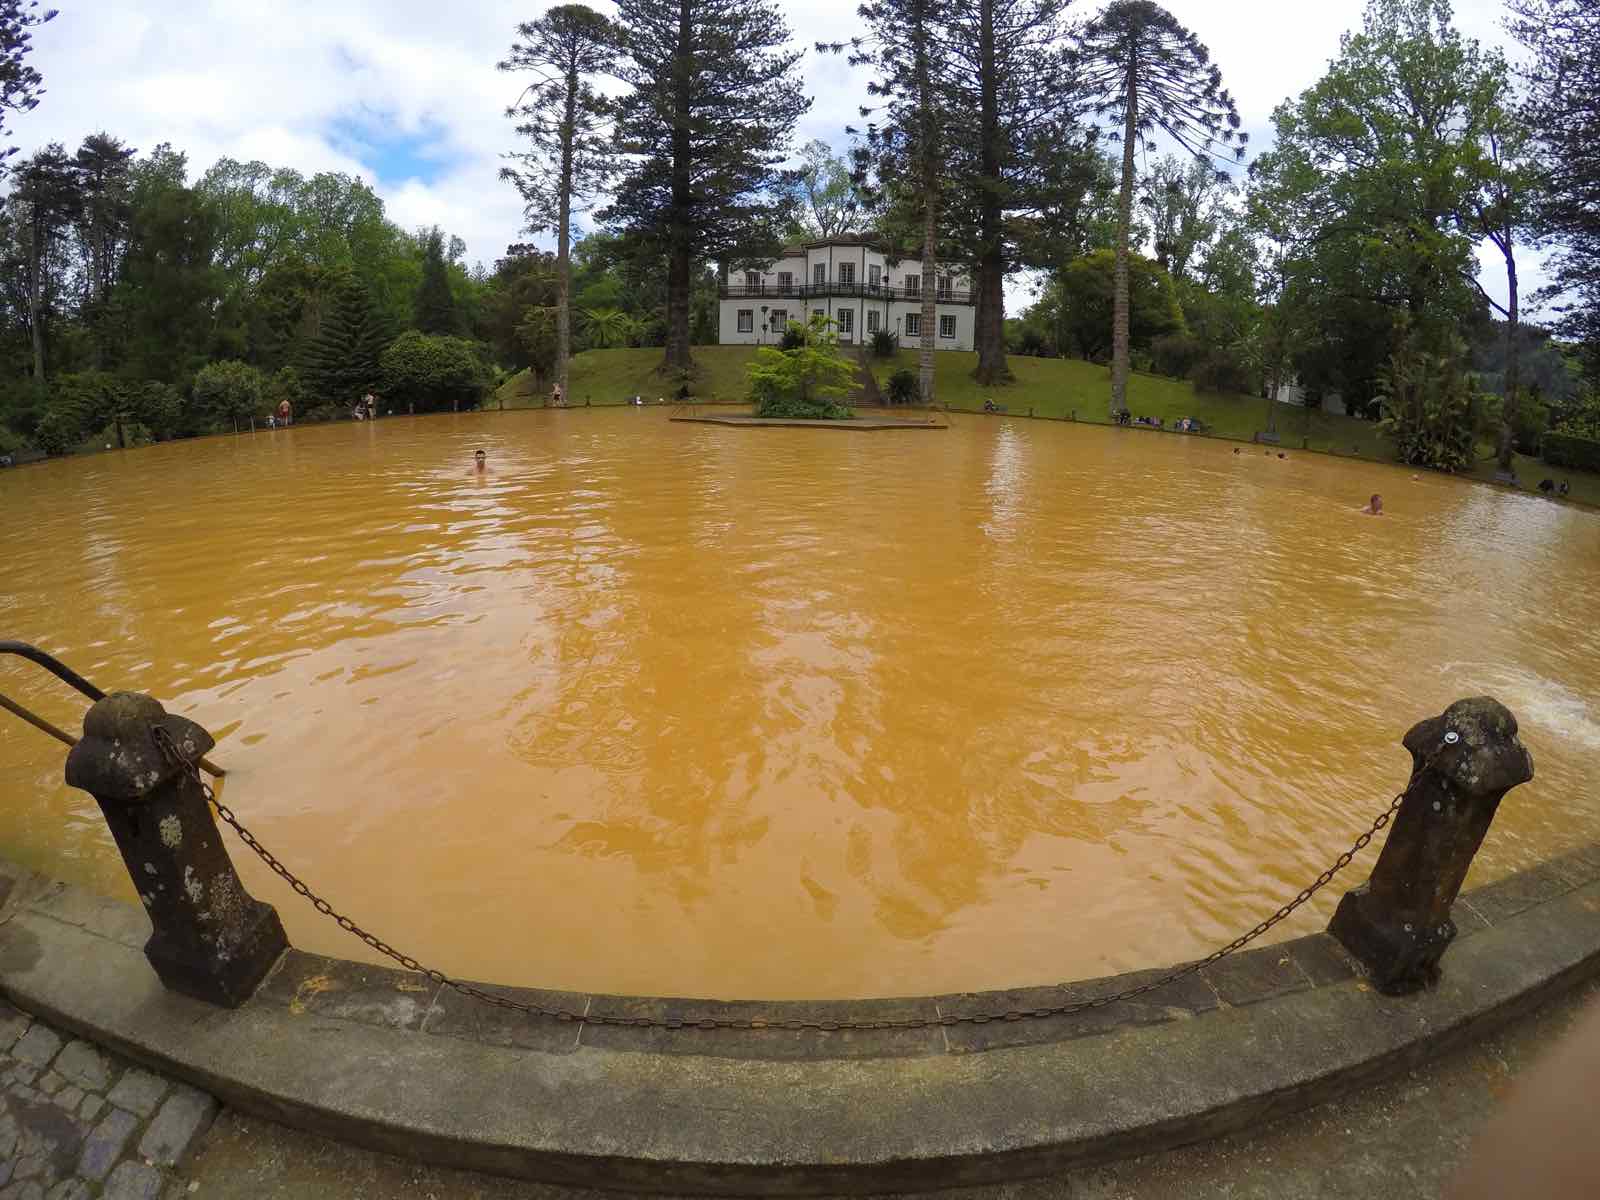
{"x": 1397, "y": 924}
{"x": 212, "y": 940}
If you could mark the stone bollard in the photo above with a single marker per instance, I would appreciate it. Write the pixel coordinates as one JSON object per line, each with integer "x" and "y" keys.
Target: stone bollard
{"x": 1397, "y": 923}
{"x": 212, "y": 940}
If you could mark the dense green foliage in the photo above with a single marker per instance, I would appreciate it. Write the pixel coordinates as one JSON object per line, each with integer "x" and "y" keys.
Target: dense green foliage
{"x": 229, "y": 391}
{"x": 426, "y": 372}
{"x": 1431, "y": 406}
{"x": 1571, "y": 450}
{"x": 807, "y": 381}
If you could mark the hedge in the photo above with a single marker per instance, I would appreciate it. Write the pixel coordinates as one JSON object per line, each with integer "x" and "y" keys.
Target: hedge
{"x": 1567, "y": 450}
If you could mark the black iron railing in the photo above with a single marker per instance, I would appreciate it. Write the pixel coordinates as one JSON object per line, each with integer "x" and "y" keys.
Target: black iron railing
{"x": 866, "y": 291}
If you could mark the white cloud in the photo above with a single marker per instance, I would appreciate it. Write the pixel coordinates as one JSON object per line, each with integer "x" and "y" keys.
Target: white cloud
{"x": 341, "y": 84}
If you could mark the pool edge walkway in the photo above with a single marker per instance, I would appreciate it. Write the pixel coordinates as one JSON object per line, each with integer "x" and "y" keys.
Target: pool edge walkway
{"x": 375, "y": 1071}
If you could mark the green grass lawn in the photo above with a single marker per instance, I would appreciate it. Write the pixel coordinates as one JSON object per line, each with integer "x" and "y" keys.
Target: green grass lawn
{"x": 1044, "y": 387}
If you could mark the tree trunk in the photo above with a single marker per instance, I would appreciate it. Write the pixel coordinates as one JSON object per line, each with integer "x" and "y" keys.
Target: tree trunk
{"x": 35, "y": 299}
{"x": 991, "y": 265}
{"x": 1119, "y": 303}
{"x": 930, "y": 210}
{"x": 564, "y": 236}
{"x": 678, "y": 358}
{"x": 1513, "y": 401}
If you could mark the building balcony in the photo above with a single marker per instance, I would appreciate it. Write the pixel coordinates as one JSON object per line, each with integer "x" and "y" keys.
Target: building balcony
{"x": 864, "y": 291}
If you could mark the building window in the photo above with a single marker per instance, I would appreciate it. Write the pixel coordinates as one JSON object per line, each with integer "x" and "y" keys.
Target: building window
{"x": 944, "y": 285}
{"x": 913, "y": 324}
{"x": 872, "y": 320}
{"x": 847, "y": 320}
{"x": 780, "y": 319}
{"x": 747, "y": 320}
{"x": 819, "y": 273}
{"x": 786, "y": 280}
{"x": 874, "y": 276}
{"x": 913, "y": 285}
{"x": 817, "y": 312}
{"x": 847, "y": 272}
{"x": 752, "y": 280}
{"x": 947, "y": 327}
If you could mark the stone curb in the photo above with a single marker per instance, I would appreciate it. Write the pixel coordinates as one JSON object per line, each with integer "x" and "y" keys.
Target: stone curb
{"x": 378, "y": 1058}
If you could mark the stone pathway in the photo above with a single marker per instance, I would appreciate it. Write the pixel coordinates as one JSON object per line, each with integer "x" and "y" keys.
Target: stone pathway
{"x": 78, "y": 1123}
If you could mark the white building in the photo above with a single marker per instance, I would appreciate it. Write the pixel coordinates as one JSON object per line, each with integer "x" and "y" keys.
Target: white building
{"x": 854, "y": 281}
{"x": 1290, "y": 392}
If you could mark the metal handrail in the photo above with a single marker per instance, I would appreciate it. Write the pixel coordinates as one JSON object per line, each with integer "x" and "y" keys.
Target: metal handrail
{"x": 72, "y": 679}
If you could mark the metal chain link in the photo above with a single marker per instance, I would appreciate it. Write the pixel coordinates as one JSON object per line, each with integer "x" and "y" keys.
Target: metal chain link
{"x": 168, "y": 746}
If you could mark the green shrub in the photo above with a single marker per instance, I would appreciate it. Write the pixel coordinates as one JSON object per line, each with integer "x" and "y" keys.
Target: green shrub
{"x": 229, "y": 393}
{"x": 1570, "y": 450}
{"x": 883, "y": 344}
{"x": 1176, "y": 354}
{"x": 794, "y": 336}
{"x": 805, "y": 382}
{"x": 432, "y": 371}
{"x": 903, "y": 387}
{"x": 1221, "y": 371}
{"x": 1431, "y": 407}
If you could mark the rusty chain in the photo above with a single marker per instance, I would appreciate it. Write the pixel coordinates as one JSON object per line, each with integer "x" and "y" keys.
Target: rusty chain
{"x": 170, "y": 748}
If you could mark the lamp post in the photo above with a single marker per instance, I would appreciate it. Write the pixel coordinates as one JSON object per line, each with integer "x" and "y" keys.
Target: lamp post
{"x": 763, "y": 336}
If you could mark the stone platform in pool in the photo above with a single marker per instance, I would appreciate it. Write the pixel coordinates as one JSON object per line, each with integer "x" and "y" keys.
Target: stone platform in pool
{"x": 852, "y": 423}
{"x": 393, "y": 1061}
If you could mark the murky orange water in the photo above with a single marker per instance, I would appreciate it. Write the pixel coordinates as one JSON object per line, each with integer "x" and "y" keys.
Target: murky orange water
{"x": 685, "y": 709}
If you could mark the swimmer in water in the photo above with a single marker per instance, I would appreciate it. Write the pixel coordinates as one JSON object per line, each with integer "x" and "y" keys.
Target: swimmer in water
{"x": 1374, "y": 506}
{"x": 481, "y": 459}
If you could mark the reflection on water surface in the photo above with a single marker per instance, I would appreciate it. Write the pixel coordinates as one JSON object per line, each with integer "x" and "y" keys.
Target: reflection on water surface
{"x": 686, "y": 709}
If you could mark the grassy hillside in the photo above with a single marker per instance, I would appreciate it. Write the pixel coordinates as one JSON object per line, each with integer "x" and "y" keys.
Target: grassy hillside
{"x": 1046, "y": 387}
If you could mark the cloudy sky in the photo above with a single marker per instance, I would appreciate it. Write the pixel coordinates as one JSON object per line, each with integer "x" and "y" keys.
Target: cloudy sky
{"x": 405, "y": 93}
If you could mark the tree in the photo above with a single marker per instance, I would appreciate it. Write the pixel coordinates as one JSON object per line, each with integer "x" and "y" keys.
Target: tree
{"x": 105, "y": 215}
{"x": 904, "y": 146}
{"x": 1145, "y": 72}
{"x": 1188, "y": 208}
{"x": 1563, "y": 111}
{"x": 608, "y": 327}
{"x": 805, "y": 380}
{"x": 826, "y": 191}
{"x": 1363, "y": 192}
{"x": 229, "y": 391}
{"x": 341, "y": 362}
{"x": 1008, "y": 74}
{"x": 435, "y": 310}
{"x": 1502, "y": 211}
{"x": 1081, "y": 300}
{"x": 564, "y": 120}
{"x": 705, "y": 132}
{"x": 169, "y": 297}
{"x": 19, "y": 83}
{"x": 48, "y": 197}
{"x": 426, "y": 370}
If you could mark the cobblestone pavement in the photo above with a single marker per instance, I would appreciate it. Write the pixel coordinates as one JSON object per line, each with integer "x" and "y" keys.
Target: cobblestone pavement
{"x": 78, "y": 1123}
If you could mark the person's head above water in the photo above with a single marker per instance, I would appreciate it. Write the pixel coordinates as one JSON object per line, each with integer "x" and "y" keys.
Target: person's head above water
{"x": 480, "y": 458}
{"x": 1375, "y": 505}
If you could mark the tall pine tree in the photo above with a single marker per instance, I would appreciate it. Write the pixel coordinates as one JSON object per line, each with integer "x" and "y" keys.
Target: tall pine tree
{"x": 1563, "y": 108}
{"x": 436, "y": 304}
{"x": 341, "y": 362}
{"x": 1143, "y": 72}
{"x": 1008, "y": 74}
{"x": 564, "y": 120}
{"x": 904, "y": 145}
{"x": 706, "y": 131}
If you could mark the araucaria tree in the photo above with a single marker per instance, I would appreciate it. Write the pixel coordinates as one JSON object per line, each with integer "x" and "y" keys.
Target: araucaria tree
{"x": 1563, "y": 110}
{"x": 1143, "y": 72}
{"x": 1007, "y": 75}
{"x": 19, "y": 83}
{"x": 904, "y": 145}
{"x": 565, "y": 122}
{"x": 705, "y": 132}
